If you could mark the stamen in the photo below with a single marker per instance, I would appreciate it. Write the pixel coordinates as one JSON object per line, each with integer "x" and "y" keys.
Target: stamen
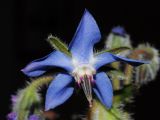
{"x": 87, "y": 88}
{"x": 91, "y": 79}
{"x": 81, "y": 79}
{"x": 90, "y": 103}
{"x": 79, "y": 85}
{"x": 83, "y": 74}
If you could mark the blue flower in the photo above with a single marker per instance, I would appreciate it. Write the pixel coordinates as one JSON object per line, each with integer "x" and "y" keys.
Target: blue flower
{"x": 81, "y": 68}
{"x": 34, "y": 117}
{"x": 13, "y": 116}
{"x": 119, "y": 31}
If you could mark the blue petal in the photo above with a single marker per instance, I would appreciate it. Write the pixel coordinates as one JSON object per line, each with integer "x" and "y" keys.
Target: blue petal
{"x": 34, "y": 117}
{"x": 54, "y": 59}
{"x": 103, "y": 89}
{"x": 119, "y": 31}
{"x": 87, "y": 34}
{"x": 59, "y": 91}
{"x": 12, "y": 116}
{"x": 106, "y": 58}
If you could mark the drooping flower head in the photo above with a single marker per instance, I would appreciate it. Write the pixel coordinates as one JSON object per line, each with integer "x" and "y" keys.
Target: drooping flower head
{"x": 82, "y": 67}
{"x": 118, "y": 37}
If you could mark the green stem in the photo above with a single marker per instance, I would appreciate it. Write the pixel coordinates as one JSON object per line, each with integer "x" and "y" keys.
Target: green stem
{"x": 117, "y": 118}
{"x": 39, "y": 82}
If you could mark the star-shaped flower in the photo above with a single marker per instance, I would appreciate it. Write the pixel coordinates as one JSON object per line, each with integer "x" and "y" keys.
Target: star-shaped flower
{"x": 82, "y": 67}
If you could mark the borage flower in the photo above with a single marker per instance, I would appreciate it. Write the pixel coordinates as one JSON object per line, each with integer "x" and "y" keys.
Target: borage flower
{"x": 82, "y": 67}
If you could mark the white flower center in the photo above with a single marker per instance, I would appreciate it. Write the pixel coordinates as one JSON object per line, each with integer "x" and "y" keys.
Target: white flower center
{"x": 83, "y": 75}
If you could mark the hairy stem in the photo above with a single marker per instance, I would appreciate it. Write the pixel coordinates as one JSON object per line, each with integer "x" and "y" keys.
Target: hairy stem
{"x": 29, "y": 97}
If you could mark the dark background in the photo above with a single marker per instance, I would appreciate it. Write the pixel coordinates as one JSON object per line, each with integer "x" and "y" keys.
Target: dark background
{"x": 25, "y": 24}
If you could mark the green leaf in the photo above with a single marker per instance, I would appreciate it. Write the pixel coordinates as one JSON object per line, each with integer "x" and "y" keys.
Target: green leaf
{"x": 57, "y": 44}
{"x": 114, "y": 50}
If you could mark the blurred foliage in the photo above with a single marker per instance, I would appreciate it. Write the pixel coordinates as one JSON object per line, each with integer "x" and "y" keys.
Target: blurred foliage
{"x": 125, "y": 79}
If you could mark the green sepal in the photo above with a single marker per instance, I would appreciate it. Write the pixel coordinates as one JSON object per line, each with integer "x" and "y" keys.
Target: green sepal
{"x": 125, "y": 95}
{"x": 117, "y": 77}
{"x": 116, "y": 74}
{"x": 57, "y": 44}
{"x": 114, "y": 50}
